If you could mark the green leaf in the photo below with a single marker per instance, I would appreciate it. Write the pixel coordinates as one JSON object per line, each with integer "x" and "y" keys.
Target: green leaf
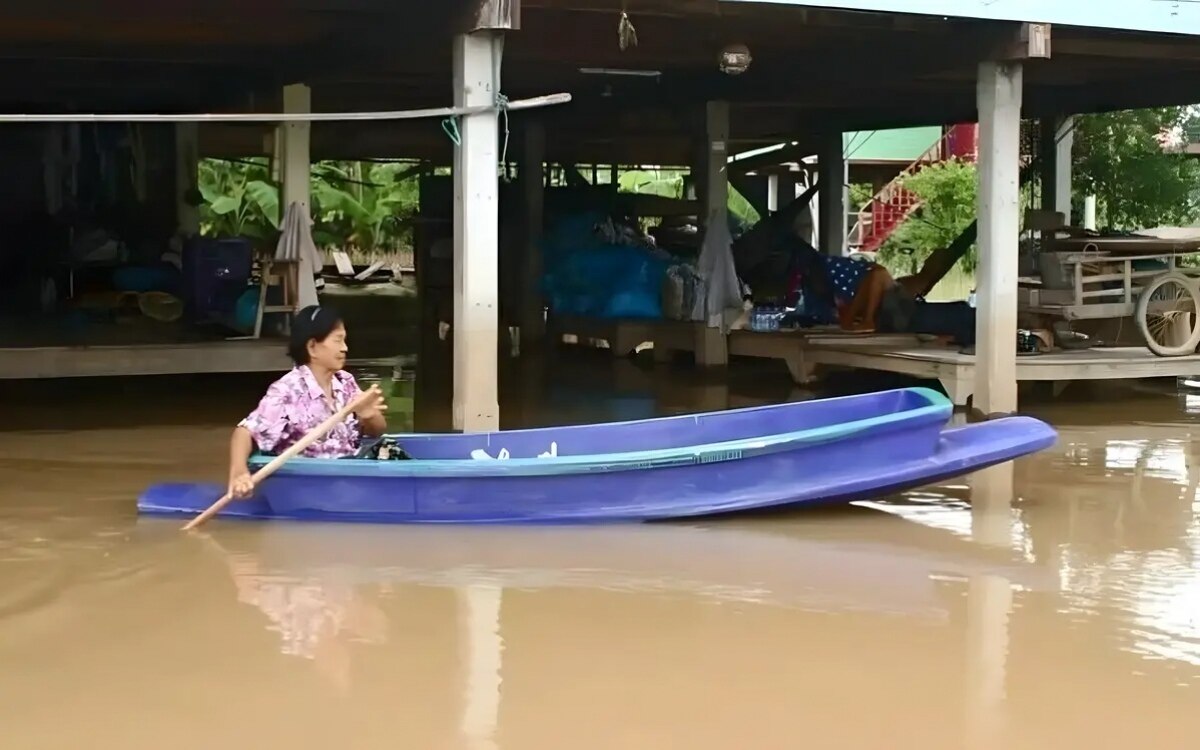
{"x": 266, "y": 198}
{"x": 226, "y": 204}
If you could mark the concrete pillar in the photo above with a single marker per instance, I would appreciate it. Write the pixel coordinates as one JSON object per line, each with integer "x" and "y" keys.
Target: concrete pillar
{"x": 295, "y": 176}
{"x": 532, "y": 177}
{"x": 772, "y": 193}
{"x": 1064, "y": 144}
{"x": 187, "y": 167}
{"x": 296, "y": 167}
{"x": 999, "y": 102}
{"x": 476, "y": 235}
{"x": 831, "y": 181}
{"x": 1057, "y": 137}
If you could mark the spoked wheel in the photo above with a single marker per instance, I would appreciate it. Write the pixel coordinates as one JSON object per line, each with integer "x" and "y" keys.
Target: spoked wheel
{"x": 1168, "y": 315}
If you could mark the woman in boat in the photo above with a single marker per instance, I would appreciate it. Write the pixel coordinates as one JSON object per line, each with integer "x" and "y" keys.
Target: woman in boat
{"x": 305, "y": 397}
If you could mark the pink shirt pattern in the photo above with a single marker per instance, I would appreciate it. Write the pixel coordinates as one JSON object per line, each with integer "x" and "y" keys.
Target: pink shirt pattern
{"x": 294, "y": 405}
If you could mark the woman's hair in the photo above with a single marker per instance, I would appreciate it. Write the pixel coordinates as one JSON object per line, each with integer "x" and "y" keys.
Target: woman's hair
{"x": 313, "y": 322}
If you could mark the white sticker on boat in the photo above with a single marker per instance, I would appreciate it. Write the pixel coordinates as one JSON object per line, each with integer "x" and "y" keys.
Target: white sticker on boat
{"x": 480, "y": 454}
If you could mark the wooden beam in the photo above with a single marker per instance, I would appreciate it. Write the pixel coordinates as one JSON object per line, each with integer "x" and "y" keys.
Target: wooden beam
{"x": 1026, "y": 41}
{"x": 494, "y": 15}
{"x": 1158, "y": 48}
{"x": 642, "y": 8}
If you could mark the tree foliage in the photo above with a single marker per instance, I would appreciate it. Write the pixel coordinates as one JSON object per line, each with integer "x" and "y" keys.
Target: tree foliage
{"x": 1119, "y": 157}
{"x": 355, "y": 205}
{"x": 948, "y": 192}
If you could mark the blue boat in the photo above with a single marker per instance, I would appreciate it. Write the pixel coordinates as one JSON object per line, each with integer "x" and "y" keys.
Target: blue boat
{"x": 804, "y": 453}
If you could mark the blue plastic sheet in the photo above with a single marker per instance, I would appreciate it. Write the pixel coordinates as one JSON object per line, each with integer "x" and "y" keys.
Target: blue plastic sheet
{"x": 587, "y": 276}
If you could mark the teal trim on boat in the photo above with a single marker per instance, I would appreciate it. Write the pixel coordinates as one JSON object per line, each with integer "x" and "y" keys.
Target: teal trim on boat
{"x": 937, "y": 408}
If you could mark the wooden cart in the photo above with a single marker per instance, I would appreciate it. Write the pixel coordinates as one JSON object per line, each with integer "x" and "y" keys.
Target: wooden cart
{"x": 1150, "y": 280}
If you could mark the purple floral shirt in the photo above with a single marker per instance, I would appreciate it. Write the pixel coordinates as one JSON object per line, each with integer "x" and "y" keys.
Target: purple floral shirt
{"x": 294, "y": 405}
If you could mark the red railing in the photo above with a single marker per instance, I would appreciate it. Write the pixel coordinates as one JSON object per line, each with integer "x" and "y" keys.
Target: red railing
{"x": 893, "y": 204}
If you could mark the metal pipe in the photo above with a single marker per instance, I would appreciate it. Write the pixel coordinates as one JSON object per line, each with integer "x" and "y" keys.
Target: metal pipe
{"x": 404, "y": 114}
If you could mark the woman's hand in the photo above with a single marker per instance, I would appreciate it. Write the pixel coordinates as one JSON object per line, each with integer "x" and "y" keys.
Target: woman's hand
{"x": 240, "y": 486}
{"x": 371, "y": 403}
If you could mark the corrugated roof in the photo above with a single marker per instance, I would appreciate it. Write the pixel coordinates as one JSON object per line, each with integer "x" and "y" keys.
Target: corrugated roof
{"x": 904, "y": 144}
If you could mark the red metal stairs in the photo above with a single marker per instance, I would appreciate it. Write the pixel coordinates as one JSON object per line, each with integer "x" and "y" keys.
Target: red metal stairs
{"x": 893, "y": 204}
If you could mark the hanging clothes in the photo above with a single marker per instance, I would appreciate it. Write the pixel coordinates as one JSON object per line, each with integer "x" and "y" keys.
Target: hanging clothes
{"x": 296, "y": 244}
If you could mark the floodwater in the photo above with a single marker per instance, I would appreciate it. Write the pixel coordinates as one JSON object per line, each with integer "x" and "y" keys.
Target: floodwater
{"x": 1052, "y": 603}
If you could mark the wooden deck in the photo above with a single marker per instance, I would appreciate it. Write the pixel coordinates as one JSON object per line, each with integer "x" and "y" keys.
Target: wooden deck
{"x": 795, "y": 347}
{"x": 804, "y": 351}
{"x": 154, "y": 359}
{"x": 956, "y": 371}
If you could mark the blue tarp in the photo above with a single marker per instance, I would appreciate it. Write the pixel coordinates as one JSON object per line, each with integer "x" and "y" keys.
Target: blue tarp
{"x": 585, "y": 275}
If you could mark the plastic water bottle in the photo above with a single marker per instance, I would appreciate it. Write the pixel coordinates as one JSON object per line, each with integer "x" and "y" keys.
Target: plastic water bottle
{"x": 971, "y": 298}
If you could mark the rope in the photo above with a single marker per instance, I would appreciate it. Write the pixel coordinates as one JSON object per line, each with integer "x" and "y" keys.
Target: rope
{"x": 500, "y": 100}
{"x": 450, "y": 127}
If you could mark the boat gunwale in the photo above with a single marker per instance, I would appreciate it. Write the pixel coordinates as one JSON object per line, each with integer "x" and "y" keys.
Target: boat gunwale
{"x": 657, "y": 458}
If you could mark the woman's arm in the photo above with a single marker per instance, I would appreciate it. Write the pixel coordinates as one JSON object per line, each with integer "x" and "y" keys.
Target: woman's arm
{"x": 374, "y": 425}
{"x": 240, "y": 447}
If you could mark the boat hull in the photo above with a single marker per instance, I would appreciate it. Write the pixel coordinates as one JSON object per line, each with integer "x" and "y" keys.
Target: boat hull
{"x": 890, "y": 457}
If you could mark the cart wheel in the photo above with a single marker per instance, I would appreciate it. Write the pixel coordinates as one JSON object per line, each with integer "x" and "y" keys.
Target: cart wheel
{"x": 1168, "y": 315}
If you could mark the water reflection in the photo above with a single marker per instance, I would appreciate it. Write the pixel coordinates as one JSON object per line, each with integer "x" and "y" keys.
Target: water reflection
{"x": 322, "y": 589}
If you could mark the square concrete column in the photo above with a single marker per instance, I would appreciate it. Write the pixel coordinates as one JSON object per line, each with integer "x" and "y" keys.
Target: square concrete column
{"x": 999, "y": 102}
{"x": 296, "y": 167}
{"x": 1064, "y": 144}
{"x": 831, "y": 192}
{"x": 1057, "y": 136}
{"x": 476, "y": 234}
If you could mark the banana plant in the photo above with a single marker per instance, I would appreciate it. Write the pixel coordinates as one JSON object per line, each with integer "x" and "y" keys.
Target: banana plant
{"x": 239, "y": 200}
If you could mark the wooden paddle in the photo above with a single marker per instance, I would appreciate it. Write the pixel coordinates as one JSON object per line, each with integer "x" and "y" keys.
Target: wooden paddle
{"x": 316, "y": 434}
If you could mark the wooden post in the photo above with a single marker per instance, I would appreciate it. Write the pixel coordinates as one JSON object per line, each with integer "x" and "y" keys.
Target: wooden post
{"x": 831, "y": 176}
{"x": 476, "y": 235}
{"x": 999, "y": 102}
{"x": 716, "y": 193}
{"x": 297, "y": 164}
{"x": 532, "y": 176}
{"x": 187, "y": 165}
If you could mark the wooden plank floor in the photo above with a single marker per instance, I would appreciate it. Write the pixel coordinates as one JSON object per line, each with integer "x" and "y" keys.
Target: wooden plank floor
{"x": 956, "y": 370}
{"x": 152, "y": 359}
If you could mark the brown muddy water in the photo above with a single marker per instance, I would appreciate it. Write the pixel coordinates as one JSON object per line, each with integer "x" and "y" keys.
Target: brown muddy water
{"x": 1052, "y": 603}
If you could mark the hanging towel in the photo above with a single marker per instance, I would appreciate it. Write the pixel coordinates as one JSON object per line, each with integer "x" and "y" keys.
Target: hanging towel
{"x": 721, "y": 289}
{"x": 296, "y": 243}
